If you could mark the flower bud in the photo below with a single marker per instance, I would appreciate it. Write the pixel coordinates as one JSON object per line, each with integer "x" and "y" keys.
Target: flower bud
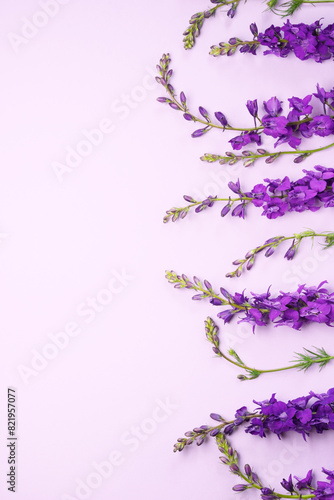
{"x": 203, "y": 112}
{"x": 225, "y": 210}
{"x": 253, "y": 29}
{"x": 217, "y": 417}
{"x": 221, "y": 118}
{"x": 239, "y": 487}
{"x": 271, "y": 159}
{"x": 269, "y": 251}
{"x": 174, "y": 106}
{"x": 190, "y": 199}
{"x": 248, "y": 470}
{"x": 250, "y": 264}
{"x": 290, "y": 253}
{"x": 235, "y": 187}
{"x": 199, "y": 132}
{"x": 187, "y": 117}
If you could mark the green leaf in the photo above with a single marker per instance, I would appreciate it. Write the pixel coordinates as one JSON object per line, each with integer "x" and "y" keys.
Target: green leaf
{"x": 253, "y": 374}
{"x": 235, "y": 356}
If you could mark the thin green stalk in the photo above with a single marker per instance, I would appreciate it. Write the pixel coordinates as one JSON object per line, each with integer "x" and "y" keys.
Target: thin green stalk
{"x": 305, "y": 359}
{"x": 177, "y": 212}
{"x": 197, "y": 20}
{"x": 249, "y": 157}
{"x": 205, "y": 291}
{"x": 273, "y": 243}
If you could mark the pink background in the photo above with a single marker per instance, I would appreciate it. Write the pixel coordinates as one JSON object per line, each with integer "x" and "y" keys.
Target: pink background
{"x": 140, "y": 360}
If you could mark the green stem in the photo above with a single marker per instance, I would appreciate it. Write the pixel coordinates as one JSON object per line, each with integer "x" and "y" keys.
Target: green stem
{"x": 197, "y": 20}
{"x": 274, "y": 243}
{"x": 252, "y": 157}
{"x": 233, "y": 462}
{"x": 307, "y": 359}
{"x": 280, "y": 495}
{"x": 231, "y": 200}
{"x": 171, "y": 278}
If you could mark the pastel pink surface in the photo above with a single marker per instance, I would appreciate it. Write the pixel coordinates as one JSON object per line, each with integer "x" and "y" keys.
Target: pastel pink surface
{"x": 84, "y": 253}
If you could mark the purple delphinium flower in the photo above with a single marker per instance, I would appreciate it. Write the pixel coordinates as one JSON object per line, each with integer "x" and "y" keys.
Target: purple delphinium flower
{"x": 275, "y": 196}
{"x": 289, "y": 137}
{"x": 274, "y": 208}
{"x": 324, "y": 491}
{"x": 280, "y": 196}
{"x": 321, "y": 94}
{"x": 273, "y": 107}
{"x": 276, "y": 126}
{"x": 305, "y": 41}
{"x": 245, "y": 138}
{"x": 322, "y": 125}
{"x": 279, "y": 417}
{"x": 306, "y": 482}
{"x": 252, "y": 107}
{"x": 302, "y": 106}
{"x": 287, "y": 128}
{"x": 288, "y": 485}
{"x": 292, "y": 309}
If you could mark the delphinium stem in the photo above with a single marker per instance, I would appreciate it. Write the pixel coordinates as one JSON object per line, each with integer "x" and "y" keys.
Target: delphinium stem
{"x": 251, "y": 479}
{"x": 197, "y": 20}
{"x": 273, "y": 243}
{"x": 314, "y": 304}
{"x": 303, "y": 360}
{"x": 250, "y": 157}
{"x": 204, "y": 119}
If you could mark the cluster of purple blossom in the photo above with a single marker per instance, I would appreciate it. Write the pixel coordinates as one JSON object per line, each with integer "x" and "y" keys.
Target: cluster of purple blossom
{"x": 278, "y": 417}
{"x": 286, "y": 129}
{"x": 276, "y": 196}
{"x": 292, "y": 309}
{"x": 305, "y": 414}
{"x": 279, "y": 196}
{"x": 305, "y": 41}
{"x": 323, "y": 491}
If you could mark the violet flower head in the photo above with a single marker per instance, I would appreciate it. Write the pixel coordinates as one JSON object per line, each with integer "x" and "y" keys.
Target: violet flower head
{"x": 273, "y": 107}
{"x": 276, "y": 197}
{"x": 306, "y": 482}
{"x": 276, "y": 126}
{"x": 252, "y": 107}
{"x": 274, "y": 208}
{"x": 302, "y": 106}
{"x": 322, "y": 125}
{"x": 288, "y": 485}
